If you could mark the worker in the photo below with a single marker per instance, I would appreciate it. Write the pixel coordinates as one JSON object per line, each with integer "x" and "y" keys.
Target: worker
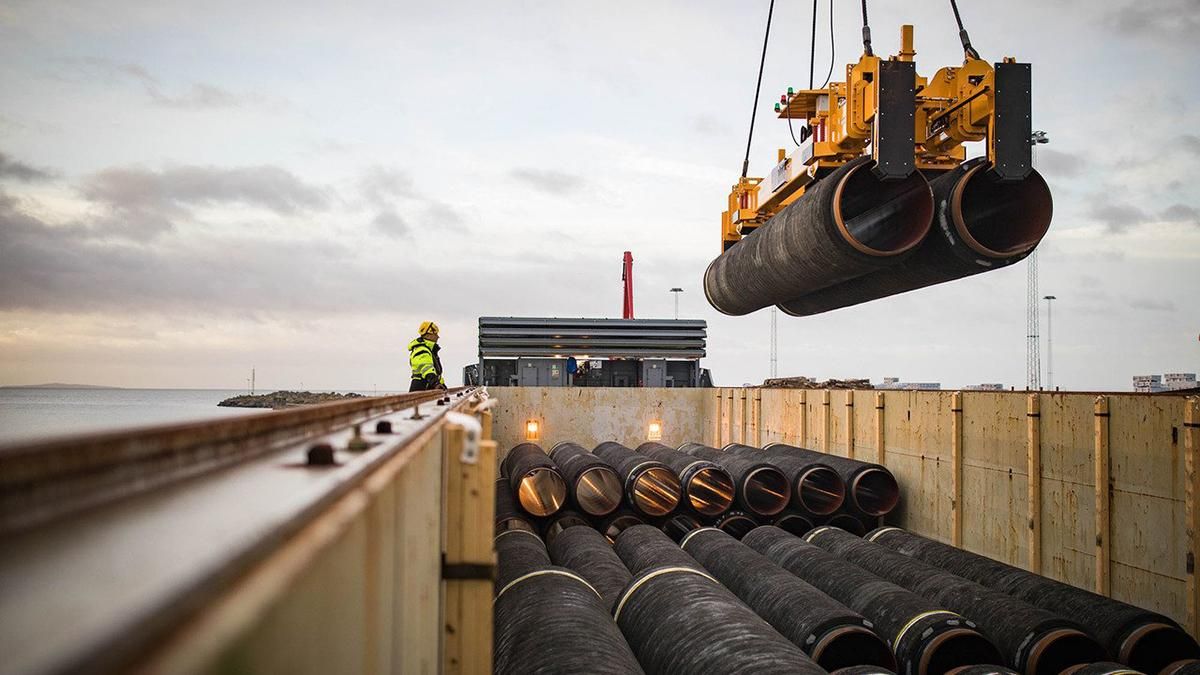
{"x": 423, "y": 357}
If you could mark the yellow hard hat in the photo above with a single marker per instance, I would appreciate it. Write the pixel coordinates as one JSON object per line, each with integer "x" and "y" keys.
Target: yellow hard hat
{"x": 427, "y": 327}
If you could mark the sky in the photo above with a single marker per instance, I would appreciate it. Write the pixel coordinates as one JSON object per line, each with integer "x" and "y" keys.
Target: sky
{"x": 191, "y": 191}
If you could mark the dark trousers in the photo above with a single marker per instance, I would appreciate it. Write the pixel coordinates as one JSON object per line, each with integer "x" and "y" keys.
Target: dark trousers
{"x": 419, "y": 385}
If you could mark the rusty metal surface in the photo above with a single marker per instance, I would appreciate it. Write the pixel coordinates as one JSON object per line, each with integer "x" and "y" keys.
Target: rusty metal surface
{"x": 91, "y": 592}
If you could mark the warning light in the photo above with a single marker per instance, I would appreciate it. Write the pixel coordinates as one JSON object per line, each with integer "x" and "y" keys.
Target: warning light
{"x": 654, "y": 432}
{"x": 533, "y": 430}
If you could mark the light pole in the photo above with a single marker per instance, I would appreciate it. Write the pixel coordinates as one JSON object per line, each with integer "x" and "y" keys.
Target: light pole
{"x": 677, "y": 291}
{"x": 1049, "y": 342}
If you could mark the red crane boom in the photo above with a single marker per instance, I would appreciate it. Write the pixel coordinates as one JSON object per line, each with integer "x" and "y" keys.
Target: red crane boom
{"x": 627, "y": 277}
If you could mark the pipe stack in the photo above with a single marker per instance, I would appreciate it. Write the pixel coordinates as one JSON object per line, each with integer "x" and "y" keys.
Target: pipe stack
{"x": 760, "y": 488}
{"x": 927, "y": 639}
{"x": 587, "y": 552}
{"x": 871, "y": 489}
{"x": 680, "y": 621}
{"x": 1144, "y": 640}
{"x": 549, "y": 619}
{"x": 1033, "y": 641}
{"x": 651, "y": 487}
{"x": 831, "y": 634}
{"x": 817, "y": 489}
{"x": 535, "y": 480}
{"x": 707, "y": 488}
{"x": 594, "y": 486}
{"x": 509, "y": 515}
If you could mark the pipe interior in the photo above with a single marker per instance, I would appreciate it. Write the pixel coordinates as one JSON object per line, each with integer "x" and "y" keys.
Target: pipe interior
{"x": 710, "y": 492}
{"x": 821, "y": 491}
{"x": 875, "y": 492}
{"x": 619, "y": 524}
{"x": 1158, "y": 647}
{"x": 884, "y": 217}
{"x": 848, "y": 523}
{"x": 737, "y": 526}
{"x": 1003, "y": 219}
{"x": 656, "y": 491}
{"x": 560, "y": 524}
{"x": 1061, "y": 650}
{"x": 955, "y": 648}
{"x": 598, "y": 491}
{"x": 542, "y": 492}
{"x": 795, "y": 524}
{"x": 767, "y": 491}
{"x": 852, "y": 646}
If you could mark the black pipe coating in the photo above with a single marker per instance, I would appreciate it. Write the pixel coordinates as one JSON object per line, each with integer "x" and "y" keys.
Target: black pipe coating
{"x": 677, "y": 526}
{"x": 1033, "y": 641}
{"x": 535, "y": 480}
{"x": 612, "y": 525}
{"x": 1102, "y": 668}
{"x": 549, "y": 619}
{"x": 980, "y": 224}
{"x": 795, "y": 523}
{"x": 736, "y": 524}
{"x": 560, "y": 522}
{"x": 644, "y": 546}
{"x": 707, "y": 487}
{"x": 588, "y": 553}
{"x": 927, "y": 639}
{"x": 983, "y": 669}
{"x": 594, "y": 486}
{"x": 509, "y": 516}
{"x": 816, "y": 487}
{"x": 651, "y": 487}
{"x": 848, "y": 522}
{"x": 830, "y": 633}
{"x": 760, "y": 488}
{"x": 861, "y": 670}
{"x": 871, "y": 488}
{"x": 1145, "y": 640}
{"x": 847, "y": 224}
{"x": 1182, "y": 667}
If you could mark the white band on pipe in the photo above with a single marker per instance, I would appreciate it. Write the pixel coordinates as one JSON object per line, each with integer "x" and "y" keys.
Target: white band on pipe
{"x": 683, "y": 544}
{"x": 656, "y": 573}
{"x": 538, "y": 573}
{"x": 912, "y": 622}
{"x": 517, "y": 529}
{"x": 809, "y": 537}
{"x": 881, "y": 530}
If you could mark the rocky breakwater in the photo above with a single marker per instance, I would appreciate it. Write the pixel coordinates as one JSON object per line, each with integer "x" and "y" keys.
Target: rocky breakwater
{"x": 284, "y": 399}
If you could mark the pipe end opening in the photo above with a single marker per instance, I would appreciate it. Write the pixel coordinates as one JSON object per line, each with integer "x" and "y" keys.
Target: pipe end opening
{"x": 1062, "y": 649}
{"x": 598, "y": 491}
{"x": 847, "y": 646}
{"x": 1001, "y": 220}
{"x": 656, "y": 491}
{"x": 883, "y": 218}
{"x": 766, "y": 491}
{"x": 955, "y": 648}
{"x": 1152, "y": 648}
{"x": 710, "y": 491}
{"x": 542, "y": 492}
{"x": 821, "y": 490}
{"x": 875, "y": 492}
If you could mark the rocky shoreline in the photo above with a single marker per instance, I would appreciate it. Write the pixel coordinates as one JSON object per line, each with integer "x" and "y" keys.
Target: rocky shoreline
{"x": 283, "y": 399}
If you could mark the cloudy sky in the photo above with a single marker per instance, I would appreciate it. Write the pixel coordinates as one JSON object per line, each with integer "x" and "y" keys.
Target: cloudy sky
{"x": 188, "y": 192}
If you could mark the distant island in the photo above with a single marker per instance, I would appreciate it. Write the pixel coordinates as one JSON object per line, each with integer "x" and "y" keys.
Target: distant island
{"x": 57, "y": 385}
{"x": 283, "y": 399}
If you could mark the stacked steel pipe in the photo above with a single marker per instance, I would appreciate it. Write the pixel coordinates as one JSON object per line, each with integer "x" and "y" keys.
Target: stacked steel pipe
{"x": 796, "y": 523}
{"x": 594, "y": 486}
{"x": 534, "y": 479}
{"x": 926, "y": 638}
{"x": 817, "y": 489}
{"x": 1145, "y": 640}
{"x": 848, "y": 224}
{"x": 560, "y": 522}
{"x": 549, "y": 619}
{"x": 981, "y": 224}
{"x": 612, "y": 525}
{"x": 736, "y": 524}
{"x": 870, "y": 488}
{"x": 759, "y": 487}
{"x": 651, "y": 487}
{"x": 707, "y": 487}
{"x": 830, "y": 633}
{"x": 587, "y": 552}
{"x": 679, "y": 620}
{"x": 1033, "y": 641}
{"x": 509, "y": 515}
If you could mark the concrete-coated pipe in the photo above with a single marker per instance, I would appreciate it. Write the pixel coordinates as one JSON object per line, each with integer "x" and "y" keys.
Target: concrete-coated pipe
{"x": 651, "y": 487}
{"x": 594, "y": 486}
{"x": 980, "y": 224}
{"x": 707, "y": 488}
{"x": 847, "y": 224}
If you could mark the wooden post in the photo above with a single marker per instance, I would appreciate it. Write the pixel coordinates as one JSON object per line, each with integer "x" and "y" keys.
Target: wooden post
{"x": 826, "y": 422}
{"x": 802, "y": 441}
{"x": 880, "y": 452}
{"x": 716, "y": 421}
{"x": 1103, "y": 516}
{"x": 956, "y": 454}
{"x": 850, "y": 423}
{"x": 485, "y": 424}
{"x": 468, "y": 561}
{"x": 743, "y": 416}
{"x": 1033, "y": 465}
{"x": 756, "y": 418}
{"x": 1191, "y": 445}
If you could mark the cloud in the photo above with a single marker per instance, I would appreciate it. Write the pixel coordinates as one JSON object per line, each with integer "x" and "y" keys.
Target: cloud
{"x": 1164, "y": 21}
{"x": 141, "y": 202}
{"x": 1056, "y": 163}
{"x": 11, "y": 168}
{"x": 1152, "y": 304}
{"x": 1177, "y": 213}
{"x": 199, "y": 96}
{"x": 1191, "y": 143}
{"x": 380, "y": 185}
{"x": 549, "y": 181}
{"x": 390, "y": 224}
{"x": 1117, "y": 217}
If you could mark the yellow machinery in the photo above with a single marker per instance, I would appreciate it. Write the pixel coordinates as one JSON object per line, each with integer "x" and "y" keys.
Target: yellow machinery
{"x": 904, "y": 121}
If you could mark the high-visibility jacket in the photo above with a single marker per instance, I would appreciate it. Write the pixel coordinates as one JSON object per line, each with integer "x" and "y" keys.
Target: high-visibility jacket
{"x": 423, "y": 357}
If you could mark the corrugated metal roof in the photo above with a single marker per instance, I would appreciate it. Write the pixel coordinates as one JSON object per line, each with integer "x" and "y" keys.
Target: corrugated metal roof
{"x": 609, "y": 338}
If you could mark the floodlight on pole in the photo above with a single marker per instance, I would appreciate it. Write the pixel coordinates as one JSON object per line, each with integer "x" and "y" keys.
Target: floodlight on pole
{"x": 676, "y": 291}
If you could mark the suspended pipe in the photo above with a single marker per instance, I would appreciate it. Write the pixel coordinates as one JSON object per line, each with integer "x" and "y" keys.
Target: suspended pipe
{"x": 759, "y": 487}
{"x": 562, "y": 521}
{"x": 830, "y": 633}
{"x": 1033, "y": 641}
{"x": 792, "y": 522}
{"x": 680, "y": 621}
{"x": 848, "y": 224}
{"x": 589, "y": 554}
{"x": 1102, "y": 668}
{"x": 651, "y": 487}
{"x": 1144, "y": 640}
{"x": 927, "y": 639}
{"x": 980, "y": 224}
{"x": 594, "y": 486}
{"x": 871, "y": 488}
{"x": 509, "y": 516}
{"x": 612, "y": 525}
{"x": 550, "y": 619}
{"x": 707, "y": 487}
{"x": 736, "y": 524}
{"x": 534, "y": 479}
{"x": 816, "y": 487}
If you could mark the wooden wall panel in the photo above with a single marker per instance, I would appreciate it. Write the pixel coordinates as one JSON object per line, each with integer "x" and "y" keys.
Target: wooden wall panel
{"x": 1068, "y": 488}
{"x": 995, "y": 477}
